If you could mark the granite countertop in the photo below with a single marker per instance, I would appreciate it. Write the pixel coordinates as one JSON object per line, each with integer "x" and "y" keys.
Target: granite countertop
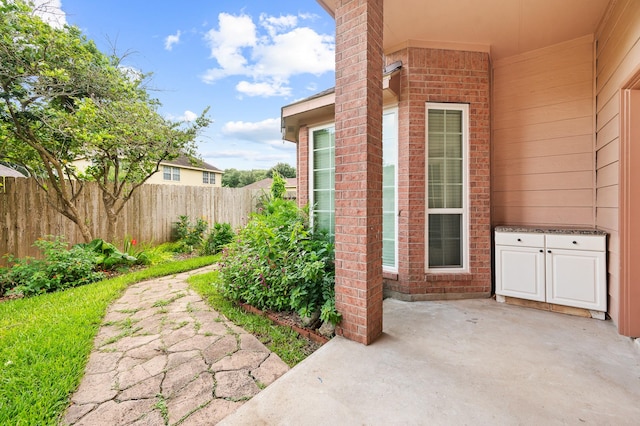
{"x": 541, "y": 230}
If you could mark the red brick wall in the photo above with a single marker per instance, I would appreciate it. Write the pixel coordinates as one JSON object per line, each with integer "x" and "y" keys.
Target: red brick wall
{"x": 434, "y": 75}
{"x": 302, "y": 166}
{"x": 358, "y": 194}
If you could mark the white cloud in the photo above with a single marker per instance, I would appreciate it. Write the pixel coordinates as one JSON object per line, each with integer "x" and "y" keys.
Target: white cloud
{"x": 264, "y": 89}
{"x": 274, "y": 25}
{"x": 265, "y": 131}
{"x": 246, "y": 155}
{"x": 235, "y": 33}
{"x": 50, "y": 11}
{"x": 246, "y": 159}
{"x": 131, "y": 73}
{"x": 298, "y": 51}
{"x": 308, "y": 16}
{"x": 171, "y": 40}
{"x": 268, "y": 54}
{"x": 186, "y": 116}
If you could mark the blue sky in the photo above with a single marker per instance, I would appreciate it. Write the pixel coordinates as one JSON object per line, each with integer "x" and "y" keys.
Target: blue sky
{"x": 245, "y": 59}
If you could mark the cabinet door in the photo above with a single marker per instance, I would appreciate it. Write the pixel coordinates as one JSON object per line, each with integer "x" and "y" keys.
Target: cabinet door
{"x": 577, "y": 278}
{"x": 520, "y": 272}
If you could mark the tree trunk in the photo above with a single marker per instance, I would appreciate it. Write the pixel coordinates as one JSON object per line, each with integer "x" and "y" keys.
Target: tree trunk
{"x": 66, "y": 207}
{"x": 112, "y": 224}
{"x": 74, "y": 217}
{"x": 87, "y": 235}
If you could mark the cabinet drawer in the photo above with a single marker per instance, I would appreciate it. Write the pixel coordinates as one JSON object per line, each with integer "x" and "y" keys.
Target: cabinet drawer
{"x": 519, "y": 239}
{"x": 577, "y": 242}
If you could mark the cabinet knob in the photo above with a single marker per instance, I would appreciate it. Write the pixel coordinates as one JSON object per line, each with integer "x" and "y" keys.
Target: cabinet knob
{"x": 548, "y": 251}
{"x": 575, "y": 242}
{"x": 541, "y": 251}
{"x": 519, "y": 240}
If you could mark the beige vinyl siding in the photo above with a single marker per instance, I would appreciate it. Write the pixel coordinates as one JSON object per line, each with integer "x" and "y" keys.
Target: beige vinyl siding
{"x": 542, "y": 159}
{"x": 189, "y": 177}
{"x": 617, "y": 60}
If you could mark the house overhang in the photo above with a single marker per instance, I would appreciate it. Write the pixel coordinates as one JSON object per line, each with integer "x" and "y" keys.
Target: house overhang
{"x": 503, "y": 28}
{"x": 320, "y": 108}
{"x": 316, "y": 109}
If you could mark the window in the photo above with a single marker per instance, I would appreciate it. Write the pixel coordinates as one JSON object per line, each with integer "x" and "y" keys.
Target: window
{"x": 209, "y": 178}
{"x": 447, "y": 146}
{"x": 389, "y": 193}
{"x": 322, "y": 182}
{"x": 322, "y": 177}
{"x": 171, "y": 173}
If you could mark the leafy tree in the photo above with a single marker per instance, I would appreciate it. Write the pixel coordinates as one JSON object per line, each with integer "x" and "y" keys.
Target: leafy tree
{"x": 62, "y": 100}
{"x": 251, "y": 176}
{"x": 233, "y": 178}
{"x": 285, "y": 170}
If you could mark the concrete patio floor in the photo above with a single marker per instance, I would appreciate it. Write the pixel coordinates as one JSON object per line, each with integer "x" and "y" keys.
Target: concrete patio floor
{"x": 465, "y": 362}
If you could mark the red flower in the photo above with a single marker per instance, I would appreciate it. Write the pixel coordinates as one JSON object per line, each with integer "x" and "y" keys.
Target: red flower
{"x": 134, "y": 242}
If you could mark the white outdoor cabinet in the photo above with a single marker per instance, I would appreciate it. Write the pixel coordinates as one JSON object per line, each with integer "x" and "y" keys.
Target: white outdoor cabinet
{"x": 520, "y": 266}
{"x": 560, "y": 267}
{"x": 576, "y": 271}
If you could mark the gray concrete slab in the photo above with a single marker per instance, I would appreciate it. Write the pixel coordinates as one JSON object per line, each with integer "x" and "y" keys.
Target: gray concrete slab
{"x": 466, "y": 362}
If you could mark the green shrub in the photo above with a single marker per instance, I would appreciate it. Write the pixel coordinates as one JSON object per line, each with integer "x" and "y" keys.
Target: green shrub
{"x": 189, "y": 235}
{"x": 138, "y": 251}
{"x": 219, "y": 236}
{"x": 106, "y": 255}
{"x": 155, "y": 255}
{"x": 61, "y": 268}
{"x": 4, "y": 285}
{"x": 278, "y": 187}
{"x": 278, "y": 263}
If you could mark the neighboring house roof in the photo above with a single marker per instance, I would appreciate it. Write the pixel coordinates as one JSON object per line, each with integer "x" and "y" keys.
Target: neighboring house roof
{"x": 265, "y": 183}
{"x": 9, "y": 172}
{"x": 186, "y": 163}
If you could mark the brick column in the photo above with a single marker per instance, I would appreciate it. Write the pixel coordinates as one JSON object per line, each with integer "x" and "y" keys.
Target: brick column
{"x": 303, "y": 167}
{"x": 358, "y": 194}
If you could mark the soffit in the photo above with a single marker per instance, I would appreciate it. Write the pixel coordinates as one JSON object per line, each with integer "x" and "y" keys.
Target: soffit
{"x": 503, "y": 27}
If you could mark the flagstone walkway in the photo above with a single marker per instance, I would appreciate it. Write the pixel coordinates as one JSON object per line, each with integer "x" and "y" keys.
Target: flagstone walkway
{"x": 164, "y": 357}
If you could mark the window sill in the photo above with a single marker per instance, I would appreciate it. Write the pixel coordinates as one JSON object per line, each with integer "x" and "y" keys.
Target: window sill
{"x": 392, "y": 276}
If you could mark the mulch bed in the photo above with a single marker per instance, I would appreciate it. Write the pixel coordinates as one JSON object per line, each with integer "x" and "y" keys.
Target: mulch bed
{"x": 12, "y": 297}
{"x": 291, "y": 320}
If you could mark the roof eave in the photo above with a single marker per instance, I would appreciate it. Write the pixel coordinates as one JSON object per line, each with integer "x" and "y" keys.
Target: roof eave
{"x": 321, "y": 108}
{"x": 328, "y": 6}
{"x": 311, "y": 110}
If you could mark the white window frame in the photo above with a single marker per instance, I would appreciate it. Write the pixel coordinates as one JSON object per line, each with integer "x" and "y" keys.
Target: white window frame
{"x": 208, "y": 178}
{"x": 174, "y": 172}
{"x": 394, "y": 269}
{"x": 310, "y": 147}
{"x": 465, "y": 188}
{"x": 394, "y": 110}
{"x": 167, "y": 173}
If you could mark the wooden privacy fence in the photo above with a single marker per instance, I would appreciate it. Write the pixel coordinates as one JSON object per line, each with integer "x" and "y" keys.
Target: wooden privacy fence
{"x": 25, "y": 214}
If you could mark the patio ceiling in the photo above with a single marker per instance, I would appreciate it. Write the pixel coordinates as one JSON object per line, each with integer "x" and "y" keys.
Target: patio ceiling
{"x": 502, "y": 27}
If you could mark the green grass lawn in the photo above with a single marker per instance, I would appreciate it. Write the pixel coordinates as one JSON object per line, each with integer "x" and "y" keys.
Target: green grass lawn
{"x": 285, "y": 342}
{"x": 45, "y": 342}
